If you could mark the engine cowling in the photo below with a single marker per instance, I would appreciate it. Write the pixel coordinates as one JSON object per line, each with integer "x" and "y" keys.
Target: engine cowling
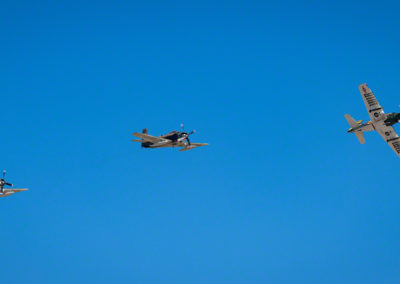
{"x": 392, "y": 118}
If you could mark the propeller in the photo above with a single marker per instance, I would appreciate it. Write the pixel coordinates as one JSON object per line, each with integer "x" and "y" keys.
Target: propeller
{"x": 188, "y": 134}
{"x": 4, "y": 175}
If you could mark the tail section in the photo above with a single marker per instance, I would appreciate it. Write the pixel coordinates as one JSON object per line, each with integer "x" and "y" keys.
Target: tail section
{"x": 144, "y": 144}
{"x": 355, "y": 128}
{"x": 143, "y": 140}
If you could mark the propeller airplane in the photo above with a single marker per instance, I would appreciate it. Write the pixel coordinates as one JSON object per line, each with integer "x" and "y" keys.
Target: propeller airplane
{"x": 380, "y": 121}
{"x": 172, "y": 139}
{"x": 8, "y": 191}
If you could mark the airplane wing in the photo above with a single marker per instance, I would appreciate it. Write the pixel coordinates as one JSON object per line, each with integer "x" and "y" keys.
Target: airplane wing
{"x": 148, "y": 138}
{"x": 187, "y": 147}
{"x": 198, "y": 144}
{"x": 6, "y": 190}
{"x": 375, "y": 110}
{"x": 390, "y": 136}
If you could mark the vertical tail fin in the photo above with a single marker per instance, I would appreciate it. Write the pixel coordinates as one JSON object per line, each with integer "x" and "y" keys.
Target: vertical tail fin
{"x": 144, "y": 131}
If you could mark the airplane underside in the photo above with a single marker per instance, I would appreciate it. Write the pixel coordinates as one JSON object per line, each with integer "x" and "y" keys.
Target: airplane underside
{"x": 381, "y": 122}
{"x": 172, "y": 139}
{"x": 160, "y": 145}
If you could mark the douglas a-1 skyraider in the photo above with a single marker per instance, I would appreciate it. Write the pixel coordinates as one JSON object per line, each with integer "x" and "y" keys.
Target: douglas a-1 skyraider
{"x": 380, "y": 122}
{"x": 172, "y": 139}
{"x": 8, "y": 191}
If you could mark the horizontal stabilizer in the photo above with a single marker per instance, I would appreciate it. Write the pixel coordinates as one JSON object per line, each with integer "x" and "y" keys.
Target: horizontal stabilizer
{"x": 351, "y": 121}
{"x": 147, "y": 138}
{"x": 360, "y": 137}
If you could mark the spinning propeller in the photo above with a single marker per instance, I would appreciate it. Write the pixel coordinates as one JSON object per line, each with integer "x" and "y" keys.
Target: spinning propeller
{"x": 187, "y": 134}
{"x": 4, "y": 175}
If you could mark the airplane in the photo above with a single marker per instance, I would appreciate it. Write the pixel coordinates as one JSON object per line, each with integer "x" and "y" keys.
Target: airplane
{"x": 8, "y": 191}
{"x": 172, "y": 139}
{"x": 380, "y": 121}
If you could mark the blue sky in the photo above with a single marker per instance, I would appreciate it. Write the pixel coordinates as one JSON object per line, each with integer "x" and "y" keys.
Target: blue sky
{"x": 281, "y": 195}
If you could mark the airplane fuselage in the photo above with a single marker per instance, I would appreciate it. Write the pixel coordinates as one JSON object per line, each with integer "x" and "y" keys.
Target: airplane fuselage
{"x": 389, "y": 119}
{"x": 173, "y": 139}
{"x": 368, "y": 126}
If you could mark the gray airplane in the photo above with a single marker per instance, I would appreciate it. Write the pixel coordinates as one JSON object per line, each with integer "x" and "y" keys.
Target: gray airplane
{"x": 380, "y": 121}
{"x": 172, "y": 139}
{"x": 8, "y": 191}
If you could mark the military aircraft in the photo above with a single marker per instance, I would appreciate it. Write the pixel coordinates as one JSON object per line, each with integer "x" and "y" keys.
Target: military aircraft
{"x": 172, "y": 139}
{"x": 8, "y": 191}
{"x": 380, "y": 122}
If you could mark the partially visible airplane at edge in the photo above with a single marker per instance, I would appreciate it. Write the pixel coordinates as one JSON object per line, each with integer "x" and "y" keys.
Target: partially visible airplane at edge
{"x": 172, "y": 139}
{"x": 8, "y": 191}
{"x": 380, "y": 122}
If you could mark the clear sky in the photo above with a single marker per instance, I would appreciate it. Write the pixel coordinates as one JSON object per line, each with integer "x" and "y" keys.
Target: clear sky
{"x": 281, "y": 195}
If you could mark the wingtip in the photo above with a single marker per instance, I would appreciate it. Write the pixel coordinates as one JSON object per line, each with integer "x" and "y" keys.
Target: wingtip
{"x": 363, "y": 88}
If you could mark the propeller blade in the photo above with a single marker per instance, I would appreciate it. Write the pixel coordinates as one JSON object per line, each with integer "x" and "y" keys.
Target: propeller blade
{"x": 4, "y": 173}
